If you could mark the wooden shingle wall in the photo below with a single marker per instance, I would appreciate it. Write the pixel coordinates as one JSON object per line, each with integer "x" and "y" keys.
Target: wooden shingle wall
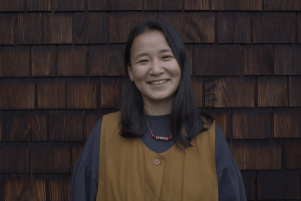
{"x": 61, "y": 69}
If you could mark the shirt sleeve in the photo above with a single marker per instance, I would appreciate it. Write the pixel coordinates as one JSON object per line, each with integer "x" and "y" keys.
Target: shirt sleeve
{"x": 85, "y": 174}
{"x": 230, "y": 183}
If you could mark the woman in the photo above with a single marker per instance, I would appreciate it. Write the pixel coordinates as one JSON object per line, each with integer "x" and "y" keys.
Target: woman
{"x": 160, "y": 146}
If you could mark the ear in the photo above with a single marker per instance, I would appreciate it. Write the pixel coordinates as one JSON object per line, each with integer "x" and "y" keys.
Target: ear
{"x": 130, "y": 73}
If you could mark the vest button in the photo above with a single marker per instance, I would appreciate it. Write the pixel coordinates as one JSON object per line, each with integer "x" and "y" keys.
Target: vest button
{"x": 157, "y": 162}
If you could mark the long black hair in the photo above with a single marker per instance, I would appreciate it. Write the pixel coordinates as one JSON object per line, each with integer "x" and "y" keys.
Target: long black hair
{"x": 185, "y": 112}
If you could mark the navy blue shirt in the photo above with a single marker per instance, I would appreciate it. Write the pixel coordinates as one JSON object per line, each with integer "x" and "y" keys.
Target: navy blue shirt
{"x": 85, "y": 175}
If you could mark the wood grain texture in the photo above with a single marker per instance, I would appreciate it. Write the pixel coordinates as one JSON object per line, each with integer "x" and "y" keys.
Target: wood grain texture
{"x": 276, "y": 5}
{"x": 257, "y": 154}
{"x": 278, "y": 184}
{"x": 66, "y": 125}
{"x": 82, "y": 93}
{"x": 163, "y": 5}
{"x": 272, "y": 91}
{"x": 50, "y": 157}
{"x": 91, "y": 118}
{"x": 76, "y": 149}
{"x": 251, "y": 123}
{"x": 114, "y": 5}
{"x": 72, "y": 60}
{"x": 14, "y": 157}
{"x": 51, "y": 93}
{"x": 17, "y": 126}
{"x": 126, "y": 21}
{"x": 287, "y": 123}
{"x": 38, "y": 5}
{"x": 229, "y": 92}
{"x": 249, "y": 179}
{"x": 59, "y": 187}
{"x": 43, "y": 61}
{"x": 25, "y": 187}
{"x": 294, "y": 91}
{"x": 57, "y": 28}
{"x": 17, "y": 94}
{"x": 234, "y": 27}
{"x": 274, "y": 27}
{"x": 30, "y": 28}
{"x": 14, "y": 61}
{"x": 1, "y": 131}
{"x": 174, "y": 19}
{"x": 106, "y": 60}
{"x": 111, "y": 92}
{"x": 236, "y": 5}
{"x": 40, "y": 125}
{"x": 292, "y": 154}
{"x": 299, "y": 26}
{"x": 7, "y": 28}
{"x": 196, "y": 4}
{"x": 90, "y": 27}
{"x": 69, "y": 5}
{"x": 197, "y": 85}
{"x": 198, "y": 27}
{"x": 287, "y": 59}
{"x": 190, "y": 56}
{"x": 258, "y": 59}
{"x": 223, "y": 119}
{"x": 217, "y": 60}
{"x": 13, "y": 5}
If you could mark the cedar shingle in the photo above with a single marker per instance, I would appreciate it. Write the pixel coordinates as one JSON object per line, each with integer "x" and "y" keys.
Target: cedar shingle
{"x": 229, "y": 92}
{"x": 278, "y": 5}
{"x": 287, "y": 123}
{"x": 17, "y": 126}
{"x": 51, "y": 93}
{"x": 69, "y": 5}
{"x": 111, "y": 91}
{"x": 50, "y": 157}
{"x": 198, "y": 27}
{"x": 13, "y": 5}
{"x": 59, "y": 187}
{"x": 40, "y": 125}
{"x": 198, "y": 90}
{"x": 1, "y": 127}
{"x": 163, "y": 5}
{"x": 17, "y": 94}
{"x": 57, "y": 28}
{"x": 43, "y": 61}
{"x": 126, "y": 21}
{"x": 115, "y": 5}
{"x": 292, "y": 153}
{"x": 299, "y": 27}
{"x": 294, "y": 91}
{"x": 14, "y": 61}
{"x": 273, "y": 27}
{"x": 258, "y": 59}
{"x": 38, "y": 5}
{"x": 196, "y": 4}
{"x": 234, "y": 27}
{"x": 14, "y": 157}
{"x": 272, "y": 91}
{"x": 90, "y": 27}
{"x": 174, "y": 19}
{"x": 66, "y": 125}
{"x": 278, "y": 184}
{"x": 257, "y": 154}
{"x": 72, "y": 60}
{"x": 236, "y": 5}
{"x": 217, "y": 60}
{"x": 30, "y": 28}
{"x": 7, "y": 28}
{"x": 287, "y": 59}
{"x": 106, "y": 60}
{"x": 91, "y": 118}
{"x": 249, "y": 179}
{"x": 25, "y": 187}
{"x": 82, "y": 93}
{"x": 76, "y": 149}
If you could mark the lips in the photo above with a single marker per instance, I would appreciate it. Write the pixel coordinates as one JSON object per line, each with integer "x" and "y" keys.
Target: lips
{"x": 158, "y": 82}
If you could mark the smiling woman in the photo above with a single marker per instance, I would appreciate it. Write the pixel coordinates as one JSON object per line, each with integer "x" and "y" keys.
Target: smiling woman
{"x": 160, "y": 146}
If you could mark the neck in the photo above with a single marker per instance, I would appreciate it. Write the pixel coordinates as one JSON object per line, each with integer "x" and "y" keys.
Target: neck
{"x": 158, "y": 108}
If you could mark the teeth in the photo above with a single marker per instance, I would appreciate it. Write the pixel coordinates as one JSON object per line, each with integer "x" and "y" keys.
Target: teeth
{"x": 159, "y": 82}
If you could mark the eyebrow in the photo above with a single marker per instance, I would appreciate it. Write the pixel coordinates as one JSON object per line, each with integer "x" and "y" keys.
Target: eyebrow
{"x": 145, "y": 54}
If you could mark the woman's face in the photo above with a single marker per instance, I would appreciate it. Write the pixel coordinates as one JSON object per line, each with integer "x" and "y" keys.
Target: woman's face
{"x": 154, "y": 69}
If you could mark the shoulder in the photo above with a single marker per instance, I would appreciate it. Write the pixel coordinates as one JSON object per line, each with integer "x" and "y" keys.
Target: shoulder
{"x": 223, "y": 156}
{"x": 112, "y": 116}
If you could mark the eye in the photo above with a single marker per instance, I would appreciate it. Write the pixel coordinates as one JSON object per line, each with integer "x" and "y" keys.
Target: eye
{"x": 166, "y": 57}
{"x": 143, "y": 61}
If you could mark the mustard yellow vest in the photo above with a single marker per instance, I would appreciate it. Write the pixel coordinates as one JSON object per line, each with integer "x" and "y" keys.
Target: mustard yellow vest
{"x": 130, "y": 171}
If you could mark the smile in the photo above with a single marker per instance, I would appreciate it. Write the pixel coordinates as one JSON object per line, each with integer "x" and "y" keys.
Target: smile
{"x": 158, "y": 82}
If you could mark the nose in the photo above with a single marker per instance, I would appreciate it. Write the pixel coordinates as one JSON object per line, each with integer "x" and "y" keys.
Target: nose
{"x": 156, "y": 67}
